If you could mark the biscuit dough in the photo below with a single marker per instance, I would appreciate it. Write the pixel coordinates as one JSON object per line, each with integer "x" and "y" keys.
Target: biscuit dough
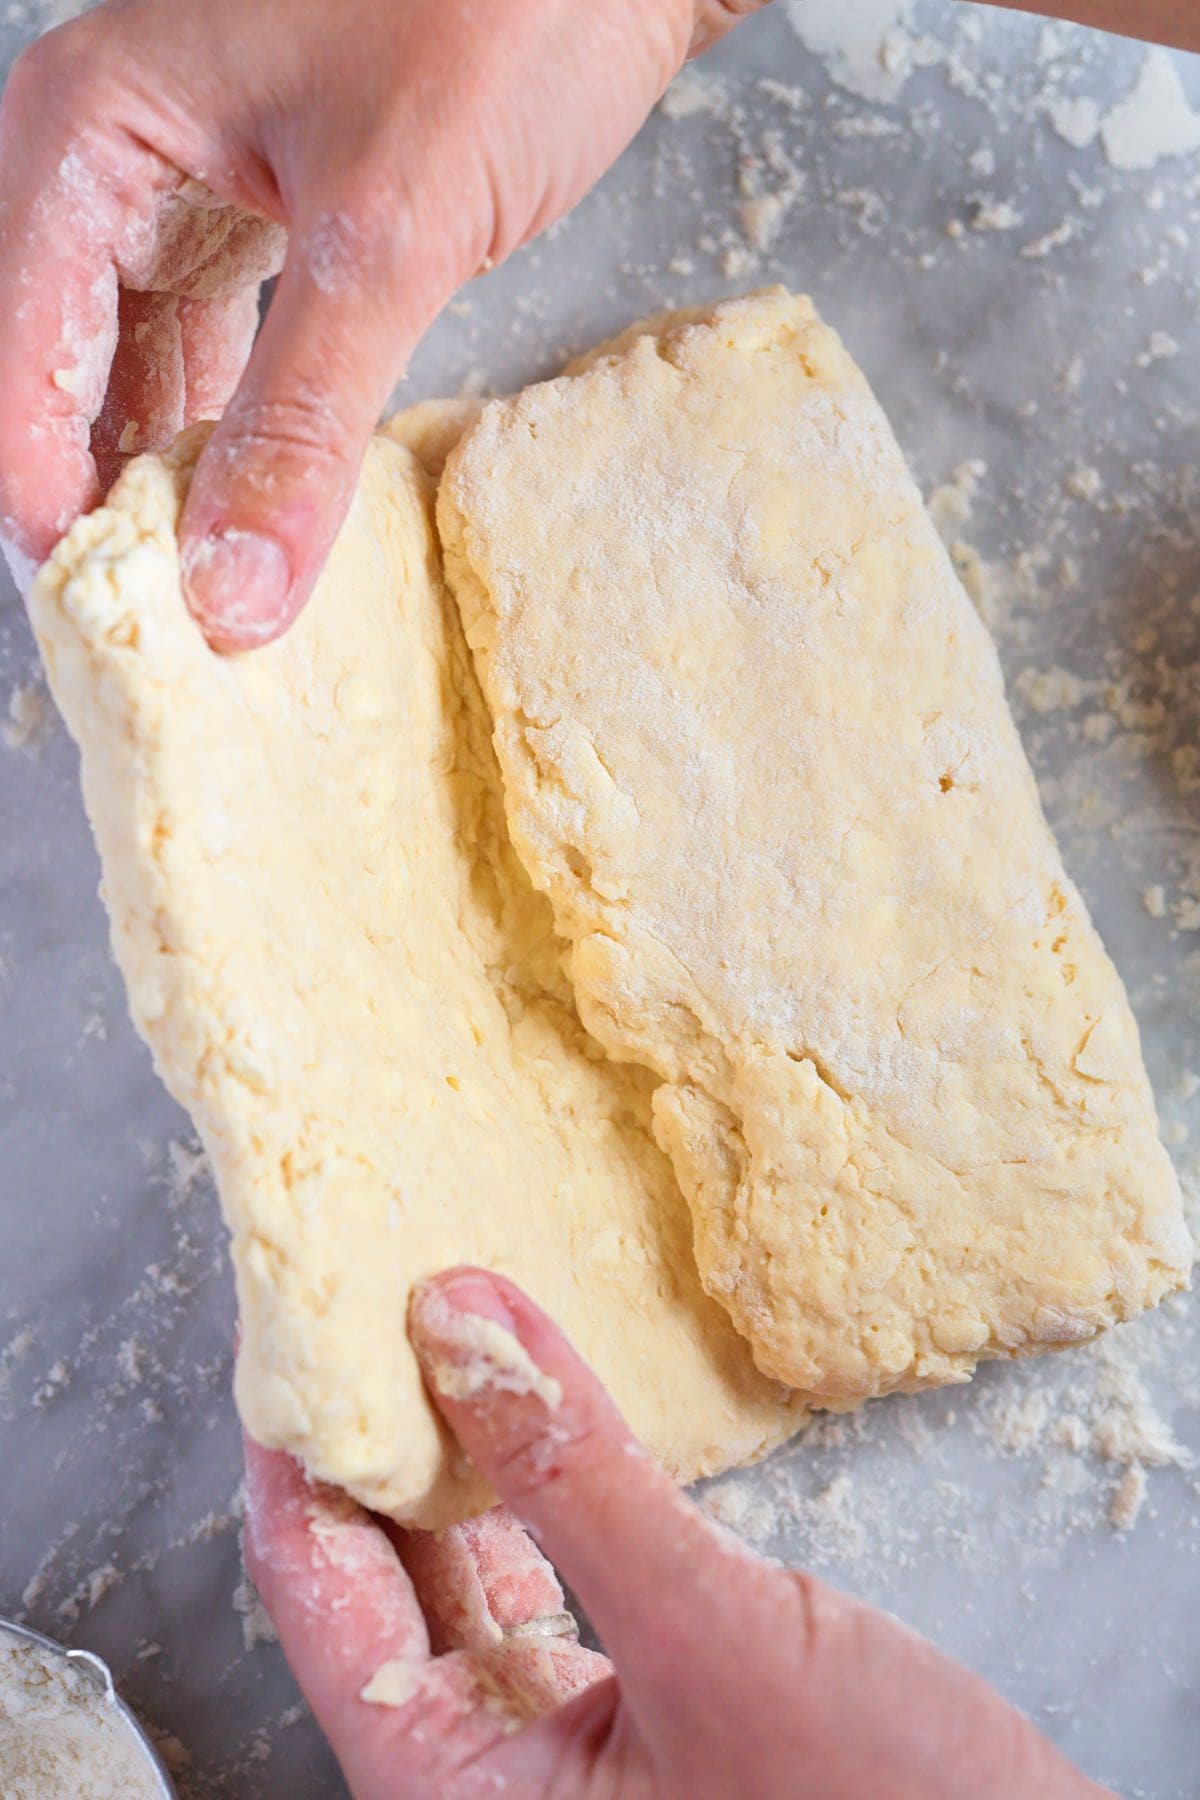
{"x": 348, "y": 980}
{"x": 756, "y": 751}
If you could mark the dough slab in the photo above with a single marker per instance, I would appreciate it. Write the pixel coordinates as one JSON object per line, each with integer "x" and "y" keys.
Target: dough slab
{"x": 860, "y": 1097}
{"x": 756, "y": 751}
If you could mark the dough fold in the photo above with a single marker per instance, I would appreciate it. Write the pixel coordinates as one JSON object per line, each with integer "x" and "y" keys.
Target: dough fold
{"x": 836, "y": 1092}
{"x": 346, "y": 977}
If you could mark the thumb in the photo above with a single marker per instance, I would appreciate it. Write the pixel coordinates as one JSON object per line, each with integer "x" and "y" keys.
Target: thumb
{"x": 725, "y": 1659}
{"x": 535, "y": 1420}
{"x": 276, "y": 478}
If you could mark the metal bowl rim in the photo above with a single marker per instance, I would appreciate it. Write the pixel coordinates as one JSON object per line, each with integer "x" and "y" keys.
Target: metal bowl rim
{"x": 90, "y": 1659}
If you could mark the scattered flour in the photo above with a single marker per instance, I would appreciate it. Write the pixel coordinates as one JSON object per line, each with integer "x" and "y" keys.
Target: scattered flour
{"x": 1128, "y": 1497}
{"x": 1084, "y": 483}
{"x": 1160, "y": 347}
{"x": 1076, "y": 118}
{"x": 864, "y": 43}
{"x": 1050, "y": 690}
{"x": 90, "y": 1591}
{"x": 740, "y": 1505}
{"x": 1153, "y": 121}
{"x": 1084, "y": 1424}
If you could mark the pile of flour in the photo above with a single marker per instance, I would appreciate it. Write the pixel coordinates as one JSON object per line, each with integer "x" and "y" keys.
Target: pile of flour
{"x": 60, "y": 1738}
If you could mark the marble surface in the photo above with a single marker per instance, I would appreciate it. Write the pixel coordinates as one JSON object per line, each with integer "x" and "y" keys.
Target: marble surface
{"x": 1019, "y": 303}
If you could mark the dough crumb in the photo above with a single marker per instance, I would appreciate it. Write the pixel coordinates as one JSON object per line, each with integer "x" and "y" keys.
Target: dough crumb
{"x": 256, "y": 1623}
{"x": 393, "y": 1684}
{"x": 950, "y": 505}
{"x": 995, "y": 215}
{"x": 1128, "y": 1497}
{"x": 688, "y": 95}
{"x": 28, "y": 718}
{"x": 742, "y": 1507}
{"x": 1083, "y": 483}
{"x": 493, "y": 1359}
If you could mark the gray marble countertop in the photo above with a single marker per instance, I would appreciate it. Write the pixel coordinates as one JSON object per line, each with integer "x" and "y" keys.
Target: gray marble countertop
{"x": 1029, "y": 311}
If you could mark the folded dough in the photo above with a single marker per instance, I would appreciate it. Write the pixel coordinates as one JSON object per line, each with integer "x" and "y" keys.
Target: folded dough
{"x": 348, "y": 980}
{"x": 756, "y": 750}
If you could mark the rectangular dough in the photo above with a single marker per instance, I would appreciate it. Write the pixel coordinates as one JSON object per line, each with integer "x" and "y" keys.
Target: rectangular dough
{"x": 756, "y": 751}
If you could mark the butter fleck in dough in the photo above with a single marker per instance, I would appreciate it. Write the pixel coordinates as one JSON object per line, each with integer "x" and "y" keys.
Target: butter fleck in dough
{"x": 756, "y": 751}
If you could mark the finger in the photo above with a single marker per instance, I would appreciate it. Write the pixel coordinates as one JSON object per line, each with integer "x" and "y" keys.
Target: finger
{"x": 60, "y": 331}
{"x": 144, "y": 404}
{"x": 273, "y": 485}
{"x": 686, "y": 1609}
{"x": 330, "y": 1580}
{"x": 217, "y": 336}
{"x": 483, "y": 1581}
{"x": 490, "y": 1597}
{"x": 536, "y": 1421}
{"x": 535, "y": 1676}
{"x": 355, "y": 1638}
{"x": 72, "y": 194}
{"x": 176, "y": 361}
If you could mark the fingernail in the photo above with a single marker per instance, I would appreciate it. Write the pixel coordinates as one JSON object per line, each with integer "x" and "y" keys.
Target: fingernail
{"x": 238, "y": 586}
{"x": 465, "y": 1292}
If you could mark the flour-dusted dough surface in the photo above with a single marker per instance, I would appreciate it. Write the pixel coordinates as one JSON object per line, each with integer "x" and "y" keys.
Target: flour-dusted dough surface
{"x": 757, "y": 752}
{"x": 347, "y": 978}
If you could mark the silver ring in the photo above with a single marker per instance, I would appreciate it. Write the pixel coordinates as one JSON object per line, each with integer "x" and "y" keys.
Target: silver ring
{"x": 560, "y": 1624}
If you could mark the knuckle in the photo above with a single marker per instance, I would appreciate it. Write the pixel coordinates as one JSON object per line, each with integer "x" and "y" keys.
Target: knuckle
{"x": 724, "y": 13}
{"x": 716, "y": 17}
{"x": 367, "y": 237}
{"x": 35, "y": 74}
{"x": 304, "y": 423}
{"x": 829, "y": 1624}
{"x": 809, "y": 1597}
{"x": 58, "y": 69}
{"x": 542, "y": 1458}
{"x": 383, "y": 221}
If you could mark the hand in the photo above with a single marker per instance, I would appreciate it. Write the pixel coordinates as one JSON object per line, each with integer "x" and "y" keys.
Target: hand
{"x": 1158, "y": 21}
{"x": 404, "y": 146}
{"x": 730, "y": 1675}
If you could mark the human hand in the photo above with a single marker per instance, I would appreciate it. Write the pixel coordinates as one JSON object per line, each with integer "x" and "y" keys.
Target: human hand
{"x": 729, "y": 1674}
{"x": 152, "y": 154}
